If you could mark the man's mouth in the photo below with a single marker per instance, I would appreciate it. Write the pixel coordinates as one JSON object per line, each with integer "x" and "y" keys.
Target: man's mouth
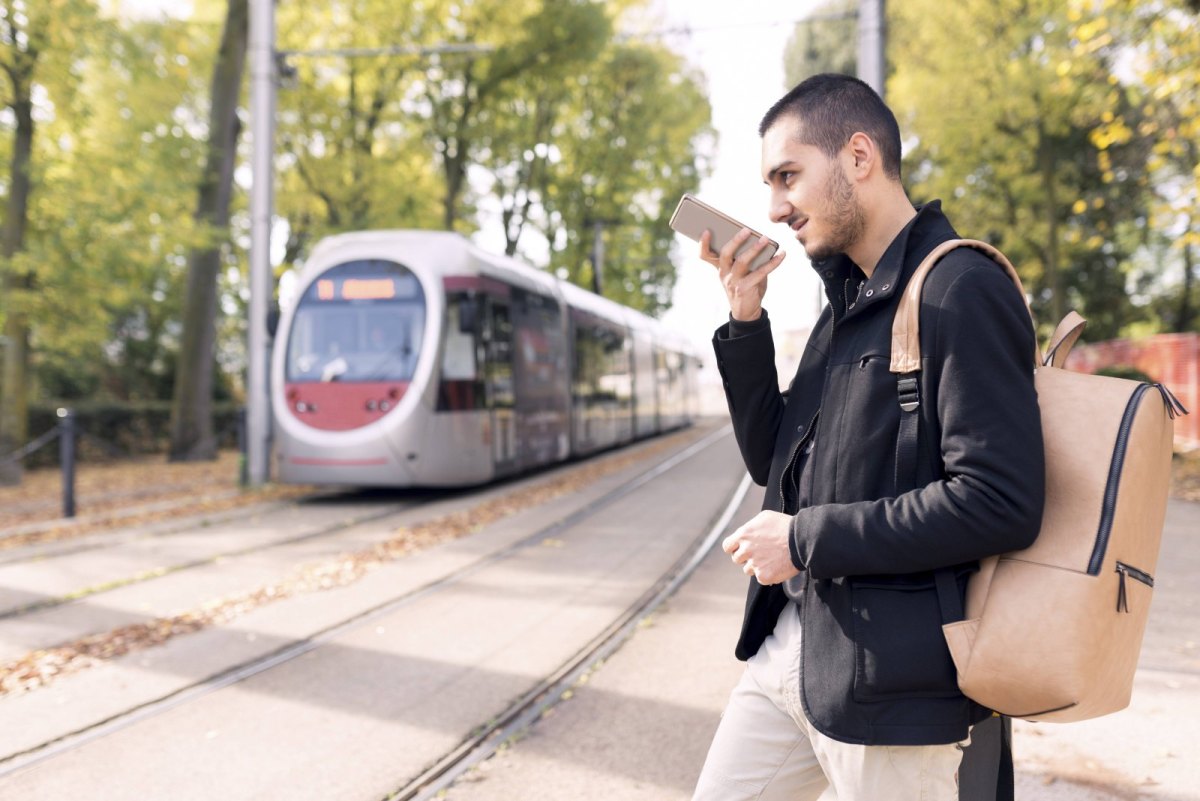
{"x": 798, "y": 226}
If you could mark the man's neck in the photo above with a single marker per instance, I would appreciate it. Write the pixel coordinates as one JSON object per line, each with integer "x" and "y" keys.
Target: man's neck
{"x": 884, "y": 224}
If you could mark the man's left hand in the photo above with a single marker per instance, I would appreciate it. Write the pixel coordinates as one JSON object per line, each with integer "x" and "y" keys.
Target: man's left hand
{"x": 761, "y": 548}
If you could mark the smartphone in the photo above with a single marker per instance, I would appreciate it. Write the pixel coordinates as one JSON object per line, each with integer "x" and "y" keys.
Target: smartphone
{"x": 693, "y": 217}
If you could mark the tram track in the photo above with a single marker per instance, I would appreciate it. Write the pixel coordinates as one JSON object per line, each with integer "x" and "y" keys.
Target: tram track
{"x": 45, "y": 653}
{"x": 526, "y": 710}
{"x": 191, "y": 564}
{"x": 159, "y": 571}
{"x": 610, "y": 638}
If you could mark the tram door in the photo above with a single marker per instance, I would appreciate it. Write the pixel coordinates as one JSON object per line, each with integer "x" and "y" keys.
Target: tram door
{"x": 500, "y": 384}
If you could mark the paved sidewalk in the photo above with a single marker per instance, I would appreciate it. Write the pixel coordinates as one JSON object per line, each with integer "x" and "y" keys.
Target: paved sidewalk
{"x": 639, "y": 727}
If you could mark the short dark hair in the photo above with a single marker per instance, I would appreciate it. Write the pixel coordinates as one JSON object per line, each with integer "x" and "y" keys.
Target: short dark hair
{"x": 831, "y": 108}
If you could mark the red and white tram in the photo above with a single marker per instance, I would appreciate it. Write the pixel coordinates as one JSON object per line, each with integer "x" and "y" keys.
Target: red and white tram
{"x": 413, "y": 358}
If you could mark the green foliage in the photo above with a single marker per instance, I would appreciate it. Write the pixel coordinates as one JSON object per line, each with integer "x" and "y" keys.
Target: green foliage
{"x": 1065, "y": 133}
{"x": 1018, "y": 152}
{"x": 116, "y": 160}
{"x": 115, "y": 430}
{"x": 636, "y": 139}
{"x": 1125, "y": 371}
{"x": 546, "y": 120}
{"x": 547, "y": 123}
{"x": 825, "y": 42}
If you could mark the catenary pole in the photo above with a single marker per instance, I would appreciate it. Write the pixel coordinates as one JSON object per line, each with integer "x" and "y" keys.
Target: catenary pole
{"x": 262, "y": 130}
{"x": 872, "y": 65}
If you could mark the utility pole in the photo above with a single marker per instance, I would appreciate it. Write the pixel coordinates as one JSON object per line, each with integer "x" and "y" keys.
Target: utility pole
{"x": 872, "y": 34}
{"x": 598, "y": 257}
{"x": 262, "y": 113}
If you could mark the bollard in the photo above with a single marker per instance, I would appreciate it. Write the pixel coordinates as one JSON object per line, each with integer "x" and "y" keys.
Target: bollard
{"x": 66, "y": 458}
{"x": 243, "y": 463}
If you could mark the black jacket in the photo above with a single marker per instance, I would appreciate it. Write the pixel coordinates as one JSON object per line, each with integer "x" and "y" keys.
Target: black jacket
{"x": 875, "y": 667}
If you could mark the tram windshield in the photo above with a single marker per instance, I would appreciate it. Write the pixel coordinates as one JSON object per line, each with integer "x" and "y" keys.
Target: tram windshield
{"x": 359, "y": 321}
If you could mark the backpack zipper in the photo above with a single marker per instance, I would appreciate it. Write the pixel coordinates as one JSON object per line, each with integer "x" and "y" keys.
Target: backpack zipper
{"x": 1108, "y": 508}
{"x": 1124, "y": 570}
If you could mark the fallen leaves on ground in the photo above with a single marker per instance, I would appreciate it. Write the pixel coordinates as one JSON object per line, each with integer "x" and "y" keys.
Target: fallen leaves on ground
{"x": 39, "y": 668}
{"x": 106, "y": 494}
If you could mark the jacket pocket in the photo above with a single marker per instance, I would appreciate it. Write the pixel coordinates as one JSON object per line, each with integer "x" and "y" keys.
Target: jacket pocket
{"x": 899, "y": 648}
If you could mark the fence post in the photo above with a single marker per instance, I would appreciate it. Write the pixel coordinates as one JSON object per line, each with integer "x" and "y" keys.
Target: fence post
{"x": 66, "y": 458}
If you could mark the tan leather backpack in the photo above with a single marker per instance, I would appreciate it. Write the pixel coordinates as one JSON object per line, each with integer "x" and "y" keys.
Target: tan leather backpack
{"x": 1053, "y": 632}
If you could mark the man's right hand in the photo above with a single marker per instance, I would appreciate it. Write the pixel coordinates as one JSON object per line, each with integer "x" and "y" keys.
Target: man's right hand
{"x": 745, "y": 289}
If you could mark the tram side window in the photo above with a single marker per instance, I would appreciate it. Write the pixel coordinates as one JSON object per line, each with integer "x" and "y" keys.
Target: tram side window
{"x": 601, "y": 366}
{"x": 458, "y": 358}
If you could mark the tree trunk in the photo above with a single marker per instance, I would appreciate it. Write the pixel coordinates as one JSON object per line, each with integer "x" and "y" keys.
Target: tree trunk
{"x": 191, "y": 409}
{"x": 1050, "y": 251}
{"x": 14, "y": 389}
{"x": 1186, "y": 311}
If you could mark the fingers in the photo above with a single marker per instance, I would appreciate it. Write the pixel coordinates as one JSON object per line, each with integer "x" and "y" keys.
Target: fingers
{"x": 729, "y": 260}
{"x": 706, "y": 252}
{"x": 729, "y": 254}
{"x": 769, "y": 267}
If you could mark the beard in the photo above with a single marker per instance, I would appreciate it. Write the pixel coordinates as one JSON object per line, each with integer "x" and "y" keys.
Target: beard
{"x": 845, "y": 217}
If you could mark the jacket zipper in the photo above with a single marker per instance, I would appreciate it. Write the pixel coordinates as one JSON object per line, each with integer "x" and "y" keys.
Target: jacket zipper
{"x": 1108, "y": 508}
{"x": 787, "y": 468}
{"x": 1124, "y": 570}
{"x": 809, "y": 430}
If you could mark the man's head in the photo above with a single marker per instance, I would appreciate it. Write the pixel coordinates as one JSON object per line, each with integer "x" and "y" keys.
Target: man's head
{"x": 830, "y": 109}
{"x": 831, "y": 155}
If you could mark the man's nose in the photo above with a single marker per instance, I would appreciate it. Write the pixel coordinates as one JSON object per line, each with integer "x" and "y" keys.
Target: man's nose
{"x": 780, "y": 209}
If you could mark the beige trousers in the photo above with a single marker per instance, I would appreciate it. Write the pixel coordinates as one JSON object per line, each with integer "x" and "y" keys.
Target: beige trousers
{"x": 765, "y": 749}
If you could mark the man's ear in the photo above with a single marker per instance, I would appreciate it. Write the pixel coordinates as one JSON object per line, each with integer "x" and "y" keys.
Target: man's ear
{"x": 862, "y": 154}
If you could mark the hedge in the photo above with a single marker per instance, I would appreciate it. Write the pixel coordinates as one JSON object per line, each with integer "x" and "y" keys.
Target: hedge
{"x": 111, "y": 430}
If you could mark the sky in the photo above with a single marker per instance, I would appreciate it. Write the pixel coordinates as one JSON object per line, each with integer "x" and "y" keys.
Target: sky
{"x": 739, "y": 47}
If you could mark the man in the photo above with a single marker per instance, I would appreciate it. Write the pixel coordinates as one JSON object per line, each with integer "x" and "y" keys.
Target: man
{"x": 849, "y": 681}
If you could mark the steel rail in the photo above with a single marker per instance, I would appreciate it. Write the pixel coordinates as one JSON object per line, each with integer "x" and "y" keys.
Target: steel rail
{"x": 68, "y": 742}
{"x": 525, "y": 711}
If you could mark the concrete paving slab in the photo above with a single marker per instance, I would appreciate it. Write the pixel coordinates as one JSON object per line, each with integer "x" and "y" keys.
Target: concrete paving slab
{"x": 79, "y": 701}
{"x": 640, "y": 726}
{"x": 286, "y": 538}
{"x": 378, "y": 662}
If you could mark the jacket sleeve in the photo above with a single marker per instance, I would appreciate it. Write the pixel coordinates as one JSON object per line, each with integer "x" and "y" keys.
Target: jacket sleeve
{"x": 746, "y": 362}
{"x": 991, "y": 496}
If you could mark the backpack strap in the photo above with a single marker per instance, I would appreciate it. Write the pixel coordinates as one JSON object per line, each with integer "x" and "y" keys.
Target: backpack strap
{"x": 906, "y": 342}
{"x": 906, "y": 364}
{"x": 1064, "y": 338}
{"x": 906, "y": 352}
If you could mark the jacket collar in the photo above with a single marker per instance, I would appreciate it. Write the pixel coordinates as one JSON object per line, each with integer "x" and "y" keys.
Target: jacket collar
{"x": 847, "y": 286}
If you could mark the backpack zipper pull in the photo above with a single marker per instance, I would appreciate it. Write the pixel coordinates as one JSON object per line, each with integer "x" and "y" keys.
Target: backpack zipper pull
{"x": 1174, "y": 407}
{"x": 1122, "y": 598}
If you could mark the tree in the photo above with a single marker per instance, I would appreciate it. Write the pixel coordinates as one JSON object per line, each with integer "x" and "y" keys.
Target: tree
{"x": 112, "y": 220}
{"x": 351, "y": 155}
{"x": 1164, "y": 61}
{"x": 1009, "y": 117}
{"x": 191, "y": 410}
{"x": 34, "y": 38}
{"x": 826, "y": 42}
{"x": 465, "y": 97}
{"x": 538, "y": 114}
{"x": 636, "y": 137}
